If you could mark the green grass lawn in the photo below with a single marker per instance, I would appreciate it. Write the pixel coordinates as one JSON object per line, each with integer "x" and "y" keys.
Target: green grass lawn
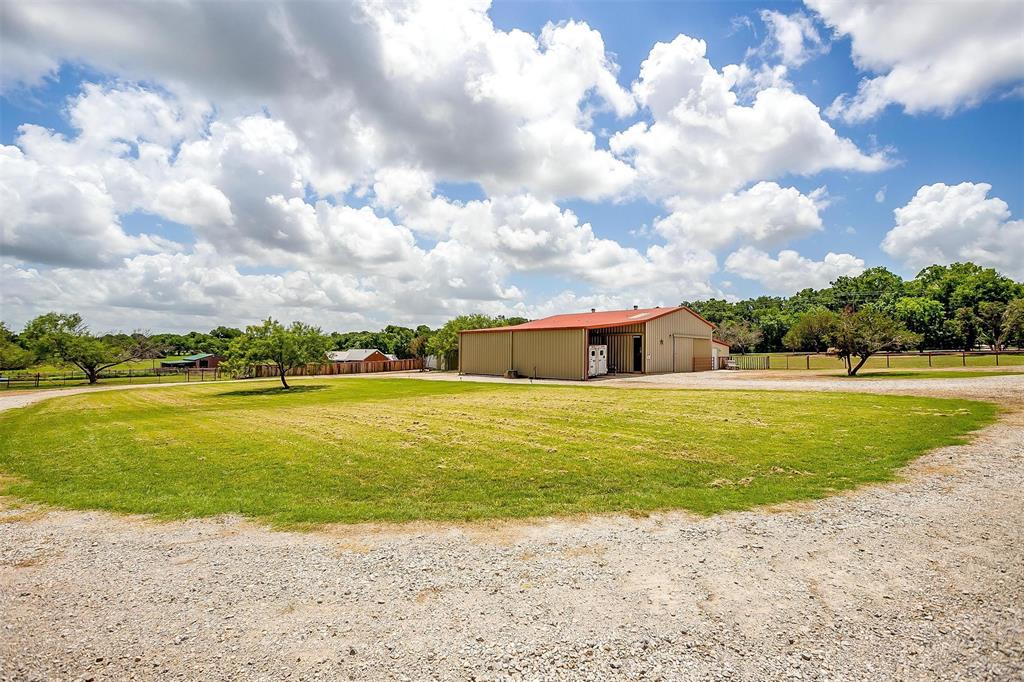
{"x": 400, "y": 449}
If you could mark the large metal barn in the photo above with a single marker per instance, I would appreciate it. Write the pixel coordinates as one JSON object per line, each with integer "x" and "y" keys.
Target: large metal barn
{"x": 644, "y": 341}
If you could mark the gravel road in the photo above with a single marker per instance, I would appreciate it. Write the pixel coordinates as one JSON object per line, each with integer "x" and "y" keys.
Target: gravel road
{"x": 919, "y": 580}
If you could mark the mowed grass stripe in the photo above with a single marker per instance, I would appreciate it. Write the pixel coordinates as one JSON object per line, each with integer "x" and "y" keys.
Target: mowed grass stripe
{"x": 397, "y": 449}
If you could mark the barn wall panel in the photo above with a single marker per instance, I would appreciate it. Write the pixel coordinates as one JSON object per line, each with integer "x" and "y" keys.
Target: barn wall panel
{"x": 550, "y": 354}
{"x": 666, "y": 356}
{"x": 485, "y": 353}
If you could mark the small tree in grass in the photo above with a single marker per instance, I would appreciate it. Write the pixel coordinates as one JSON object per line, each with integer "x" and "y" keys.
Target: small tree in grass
{"x": 862, "y": 333}
{"x": 66, "y": 339}
{"x": 285, "y": 347}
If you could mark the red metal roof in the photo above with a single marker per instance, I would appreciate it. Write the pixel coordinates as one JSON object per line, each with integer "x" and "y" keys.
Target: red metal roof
{"x": 607, "y": 318}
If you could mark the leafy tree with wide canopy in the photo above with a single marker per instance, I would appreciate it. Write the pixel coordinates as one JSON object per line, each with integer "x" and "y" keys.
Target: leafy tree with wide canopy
{"x": 284, "y": 347}
{"x": 66, "y": 339}
{"x": 446, "y": 339}
{"x": 859, "y": 334}
{"x": 12, "y": 354}
{"x": 924, "y": 316}
{"x": 811, "y": 331}
{"x": 1013, "y": 323}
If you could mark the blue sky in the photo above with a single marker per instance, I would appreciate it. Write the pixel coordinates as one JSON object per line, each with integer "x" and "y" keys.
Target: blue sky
{"x": 413, "y": 165}
{"x": 980, "y": 144}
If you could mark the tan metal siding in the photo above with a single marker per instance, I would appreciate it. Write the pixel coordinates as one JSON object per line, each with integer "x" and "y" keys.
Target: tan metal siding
{"x": 628, "y": 329}
{"x": 550, "y": 353}
{"x": 660, "y": 331}
{"x": 683, "y": 349}
{"x": 485, "y": 353}
{"x": 620, "y": 344}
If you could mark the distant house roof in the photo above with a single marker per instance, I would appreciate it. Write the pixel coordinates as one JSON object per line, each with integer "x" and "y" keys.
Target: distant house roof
{"x": 187, "y": 361}
{"x": 353, "y": 354}
{"x": 593, "y": 320}
{"x": 391, "y": 356}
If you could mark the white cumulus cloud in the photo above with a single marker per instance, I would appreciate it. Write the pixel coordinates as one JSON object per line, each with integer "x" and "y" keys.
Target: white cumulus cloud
{"x": 947, "y": 223}
{"x": 930, "y": 56}
{"x": 793, "y": 38}
{"x": 766, "y": 215}
{"x": 790, "y": 272}
{"x": 704, "y": 141}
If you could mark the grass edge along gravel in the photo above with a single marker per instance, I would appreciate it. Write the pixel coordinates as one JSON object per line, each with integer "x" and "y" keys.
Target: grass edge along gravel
{"x": 394, "y": 450}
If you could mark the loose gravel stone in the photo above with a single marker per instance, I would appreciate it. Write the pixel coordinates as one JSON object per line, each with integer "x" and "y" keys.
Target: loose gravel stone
{"x": 921, "y": 579}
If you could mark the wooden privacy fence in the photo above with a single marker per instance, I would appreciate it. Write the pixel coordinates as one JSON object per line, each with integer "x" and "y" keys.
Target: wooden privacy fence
{"x": 343, "y": 368}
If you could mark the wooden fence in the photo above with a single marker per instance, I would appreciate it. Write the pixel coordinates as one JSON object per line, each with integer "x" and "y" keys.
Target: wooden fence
{"x": 752, "y": 361}
{"x": 72, "y": 377}
{"x": 910, "y": 359}
{"x": 343, "y": 368}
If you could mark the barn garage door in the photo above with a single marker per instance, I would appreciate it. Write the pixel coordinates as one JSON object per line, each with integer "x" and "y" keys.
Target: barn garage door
{"x": 682, "y": 354}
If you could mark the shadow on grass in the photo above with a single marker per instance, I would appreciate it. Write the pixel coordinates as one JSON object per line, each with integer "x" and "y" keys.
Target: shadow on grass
{"x": 271, "y": 391}
{"x": 931, "y": 374}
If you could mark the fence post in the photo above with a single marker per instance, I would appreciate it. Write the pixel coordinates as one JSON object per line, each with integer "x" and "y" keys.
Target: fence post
{"x": 37, "y": 374}
{"x": 887, "y": 361}
{"x": 929, "y": 359}
{"x": 129, "y": 376}
{"x": 964, "y": 358}
{"x": 787, "y": 362}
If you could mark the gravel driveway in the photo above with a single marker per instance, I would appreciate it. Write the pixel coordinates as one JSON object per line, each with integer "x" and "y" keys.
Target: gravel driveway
{"x": 922, "y": 579}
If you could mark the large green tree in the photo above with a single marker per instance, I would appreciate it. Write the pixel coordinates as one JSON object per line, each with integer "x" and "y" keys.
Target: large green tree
{"x": 1013, "y": 323}
{"x": 990, "y": 322}
{"x": 66, "y": 339}
{"x": 12, "y": 354}
{"x": 445, "y": 340}
{"x": 812, "y": 331}
{"x": 284, "y": 347}
{"x": 876, "y": 286}
{"x": 924, "y": 316}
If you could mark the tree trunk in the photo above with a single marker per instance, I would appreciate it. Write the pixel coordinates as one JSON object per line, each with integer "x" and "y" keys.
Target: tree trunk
{"x": 282, "y": 370}
{"x": 93, "y": 375}
{"x": 860, "y": 364}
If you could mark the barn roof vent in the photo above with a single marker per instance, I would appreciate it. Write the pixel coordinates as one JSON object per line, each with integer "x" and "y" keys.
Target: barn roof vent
{"x": 593, "y": 310}
{"x": 634, "y": 307}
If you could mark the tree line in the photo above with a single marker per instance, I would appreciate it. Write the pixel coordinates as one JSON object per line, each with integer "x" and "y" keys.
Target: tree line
{"x": 65, "y": 339}
{"x": 952, "y": 307}
{"x": 957, "y": 306}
